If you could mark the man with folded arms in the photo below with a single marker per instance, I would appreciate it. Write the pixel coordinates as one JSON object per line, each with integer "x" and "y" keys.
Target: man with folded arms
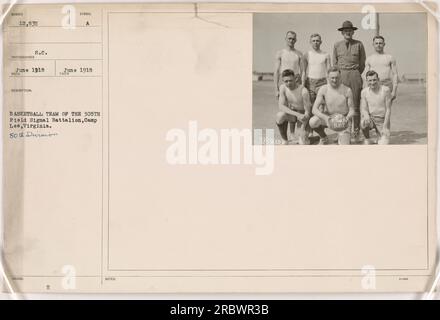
{"x": 349, "y": 57}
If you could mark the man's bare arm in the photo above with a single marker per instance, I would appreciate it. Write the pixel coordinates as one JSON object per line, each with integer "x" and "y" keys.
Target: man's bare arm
{"x": 364, "y": 107}
{"x": 307, "y": 103}
{"x": 335, "y": 56}
{"x": 290, "y": 111}
{"x": 367, "y": 68}
{"x": 276, "y": 74}
{"x": 328, "y": 62}
{"x": 386, "y": 123}
{"x": 283, "y": 104}
{"x": 395, "y": 78}
{"x": 305, "y": 63}
{"x": 367, "y": 65}
{"x": 320, "y": 100}
{"x": 350, "y": 104}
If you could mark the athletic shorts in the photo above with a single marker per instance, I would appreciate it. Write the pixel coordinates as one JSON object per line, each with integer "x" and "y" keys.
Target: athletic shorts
{"x": 292, "y": 118}
{"x": 313, "y": 85}
{"x": 376, "y": 123}
{"x": 387, "y": 83}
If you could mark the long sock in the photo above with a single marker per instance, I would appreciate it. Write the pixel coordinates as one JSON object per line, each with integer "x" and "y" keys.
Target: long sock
{"x": 356, "y": 123}
{"x": 366, "y": 133}
{"x": 320, "y": 131}
{"x": 283, "y": 129}
{"x": 292, "y": 127}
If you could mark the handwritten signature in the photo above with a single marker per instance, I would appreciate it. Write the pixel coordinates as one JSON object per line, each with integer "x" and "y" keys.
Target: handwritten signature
{"x": 30, "y": 134}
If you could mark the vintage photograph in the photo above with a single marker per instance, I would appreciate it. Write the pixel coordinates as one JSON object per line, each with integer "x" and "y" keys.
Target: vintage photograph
{"x": 349, "y": 78}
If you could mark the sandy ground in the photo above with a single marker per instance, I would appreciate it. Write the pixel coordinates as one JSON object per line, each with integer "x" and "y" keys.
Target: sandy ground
{"x": 408, "y": 113}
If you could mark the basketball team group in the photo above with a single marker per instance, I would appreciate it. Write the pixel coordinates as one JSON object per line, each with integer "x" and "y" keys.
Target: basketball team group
{"x": 318, "y": 92}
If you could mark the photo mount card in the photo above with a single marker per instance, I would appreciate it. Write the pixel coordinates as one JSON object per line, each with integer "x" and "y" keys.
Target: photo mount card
{"x": 254, "y": 148}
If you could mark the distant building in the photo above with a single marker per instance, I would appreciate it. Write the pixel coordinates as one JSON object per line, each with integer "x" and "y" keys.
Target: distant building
{"x": 257, "y": 77}
{"x": 414, "y": 78}
{"x": 262, "y": 76}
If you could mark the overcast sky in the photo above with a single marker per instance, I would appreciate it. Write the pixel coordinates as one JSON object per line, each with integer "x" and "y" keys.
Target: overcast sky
{"x": 405, "y": 36}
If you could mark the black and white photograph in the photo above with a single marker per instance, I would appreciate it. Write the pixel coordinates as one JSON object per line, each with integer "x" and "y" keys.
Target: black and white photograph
{"x": 348, "y": 78}
{"x": 280, "y": 150}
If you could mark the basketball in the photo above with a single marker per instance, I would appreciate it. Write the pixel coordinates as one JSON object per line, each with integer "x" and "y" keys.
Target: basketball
{"x": 338, "y": 122}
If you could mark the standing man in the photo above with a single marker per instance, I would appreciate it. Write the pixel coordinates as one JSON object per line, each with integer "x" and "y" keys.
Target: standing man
{"x": 316, "y": 65}
{"x": 349, "y": 57}
{"x": 385, "y": 66}
{"x": 288, "y": 59}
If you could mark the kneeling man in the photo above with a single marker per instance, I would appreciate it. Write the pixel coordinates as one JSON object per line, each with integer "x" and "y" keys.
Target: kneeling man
{"x": 338, "y": 99}
{"x": 295, "y": 107}
{"x": 376, "y": 109}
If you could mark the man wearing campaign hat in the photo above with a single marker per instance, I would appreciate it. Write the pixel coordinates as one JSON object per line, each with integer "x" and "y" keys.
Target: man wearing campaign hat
{"x": 349, "y": 57}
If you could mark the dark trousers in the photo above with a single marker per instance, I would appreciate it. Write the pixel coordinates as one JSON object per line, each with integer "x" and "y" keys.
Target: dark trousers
{"x": 353, "y": 80}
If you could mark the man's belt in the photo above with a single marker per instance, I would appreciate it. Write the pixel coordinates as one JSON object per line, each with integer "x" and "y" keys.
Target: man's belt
{"x": 349, "y": 69}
